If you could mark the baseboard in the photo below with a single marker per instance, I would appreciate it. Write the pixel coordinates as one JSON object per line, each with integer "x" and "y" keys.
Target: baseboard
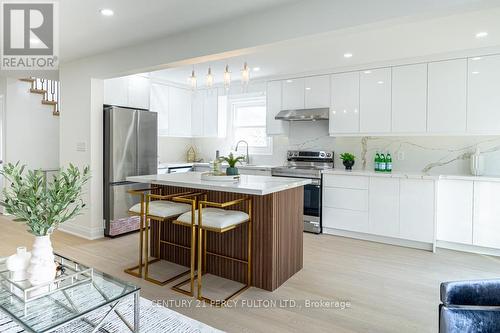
{"x": 83, "y": 232}
{"x": 380, "y": 239}
{"x": 468, "y": 248}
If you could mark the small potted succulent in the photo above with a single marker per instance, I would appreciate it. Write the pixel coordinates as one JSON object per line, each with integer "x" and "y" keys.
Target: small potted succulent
{"x": 232, "y": 170}
{"x": 347, "y": 160}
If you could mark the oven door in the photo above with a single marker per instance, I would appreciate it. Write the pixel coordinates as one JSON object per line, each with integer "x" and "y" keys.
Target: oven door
{"x": 312, "y": 207}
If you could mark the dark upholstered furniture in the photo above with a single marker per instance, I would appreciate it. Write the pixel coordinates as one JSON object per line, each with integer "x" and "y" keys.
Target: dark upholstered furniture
{"x": 470, "y": 306}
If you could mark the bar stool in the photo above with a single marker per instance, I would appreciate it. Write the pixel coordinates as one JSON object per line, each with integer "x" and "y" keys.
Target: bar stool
{"x": 139, "y": 209}
{"x": 193, "y": 200}
{"x": 163, "y": 209}
{"x": 214, "y": 218}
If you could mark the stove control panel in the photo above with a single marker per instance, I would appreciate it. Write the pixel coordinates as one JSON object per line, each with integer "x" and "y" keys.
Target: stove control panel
{"x": 312, "y": 155}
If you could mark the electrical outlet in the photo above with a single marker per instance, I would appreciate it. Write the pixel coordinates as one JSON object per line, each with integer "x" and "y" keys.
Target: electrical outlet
{"x": 401, "y": 155}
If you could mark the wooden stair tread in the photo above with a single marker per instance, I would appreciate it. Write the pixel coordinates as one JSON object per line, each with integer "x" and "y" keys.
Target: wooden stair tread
{"x": 38, "y": 91}
{"x": 27, "y": 79}
{"x": 46, "y": 102}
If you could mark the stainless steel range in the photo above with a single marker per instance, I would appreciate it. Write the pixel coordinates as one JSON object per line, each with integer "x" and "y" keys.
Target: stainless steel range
{"x": 308, "y": 164}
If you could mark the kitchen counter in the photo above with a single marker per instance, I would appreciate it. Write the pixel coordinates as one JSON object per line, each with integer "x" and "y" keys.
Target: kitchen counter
{"x": 411, "y": 175}
{"x": 394, "y": 174}
{"x": 277, "y": 226}
{"x": 168, "y": 165}
{"x": 256, "y": 185}
{"x": 248, "y": 167}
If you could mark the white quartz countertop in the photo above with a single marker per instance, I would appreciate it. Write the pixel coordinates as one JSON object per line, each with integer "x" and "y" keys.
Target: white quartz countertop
{"x": 239, "y": 166}
{"x": 168, "y": 165}
{"x": 411, "y": 175}
{"x": 394, "y": 174}
{"x": 248, "y": 184}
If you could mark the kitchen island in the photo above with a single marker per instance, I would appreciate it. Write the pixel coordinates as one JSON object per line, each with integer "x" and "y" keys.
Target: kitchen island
{"x": 277, "y": 211}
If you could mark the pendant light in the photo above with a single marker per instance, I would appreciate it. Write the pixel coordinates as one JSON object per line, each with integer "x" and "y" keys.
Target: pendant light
{"x": 245, "y": 74}
{"x": 192, "y": 80}
{"x": 227, "y": 78}
{"x": 209, "y": 78}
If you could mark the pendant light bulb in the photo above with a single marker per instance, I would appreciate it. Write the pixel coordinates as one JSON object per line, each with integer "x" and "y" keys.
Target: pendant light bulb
{"x": 209, "y": 78}
{"x": 227, "y": 77}
{"x": 245, "y": 74}
{"x": 192, "y": 80}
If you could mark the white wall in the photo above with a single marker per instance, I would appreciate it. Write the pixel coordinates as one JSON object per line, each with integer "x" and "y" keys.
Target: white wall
{"x": 418, "y": 152}
{"x": 31, "y": 131}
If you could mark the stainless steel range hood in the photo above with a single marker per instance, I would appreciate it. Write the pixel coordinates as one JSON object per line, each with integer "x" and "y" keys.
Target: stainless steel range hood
{"x": 303, "y": 114}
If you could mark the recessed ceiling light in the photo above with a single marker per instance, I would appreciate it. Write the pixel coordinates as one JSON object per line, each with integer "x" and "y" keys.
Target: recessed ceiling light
{"x": 475, "y": 72}
{"x": 256, "y": 69}
{"x": 380, "y": 82}
{"x": 367, "y": 72}
{"x": 107, "y": 12}
{"x": 481, "y": 34}
{"x": 308, "y": 88}
{"x": 476, "y": 58}
{"x": 347, "y": 55}
{"x": 289, "y": 81}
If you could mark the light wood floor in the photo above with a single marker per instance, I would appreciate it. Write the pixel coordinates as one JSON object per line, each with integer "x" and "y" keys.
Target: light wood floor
{"x": 391, "y": 289}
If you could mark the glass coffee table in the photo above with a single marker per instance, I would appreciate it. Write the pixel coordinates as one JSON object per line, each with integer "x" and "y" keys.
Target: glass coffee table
{"x": 77, "y": 301}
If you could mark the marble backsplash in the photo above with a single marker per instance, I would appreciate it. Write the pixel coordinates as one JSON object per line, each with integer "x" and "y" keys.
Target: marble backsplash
{"x": 432, "y": 154}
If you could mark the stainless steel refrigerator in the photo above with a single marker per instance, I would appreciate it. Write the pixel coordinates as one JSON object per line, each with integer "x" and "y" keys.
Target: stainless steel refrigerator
{"x": 130, "y": 149}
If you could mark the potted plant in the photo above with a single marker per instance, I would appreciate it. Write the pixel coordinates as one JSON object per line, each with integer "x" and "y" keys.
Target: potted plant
{"x": 231, "y": 160}
{"x": 43, "y": 206}
{"x": 347, "y": 160}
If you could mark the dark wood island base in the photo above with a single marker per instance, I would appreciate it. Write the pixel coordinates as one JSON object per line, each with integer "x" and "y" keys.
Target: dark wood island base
{"x": 277, "y": 240}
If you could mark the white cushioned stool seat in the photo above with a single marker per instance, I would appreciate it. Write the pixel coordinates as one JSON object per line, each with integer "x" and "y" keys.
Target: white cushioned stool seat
{"x": 216, "y": 218}
{"x": 162, "y": 208}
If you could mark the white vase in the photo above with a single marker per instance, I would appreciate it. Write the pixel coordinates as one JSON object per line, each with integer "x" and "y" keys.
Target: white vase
{"x": 18, "y": 263}
{"x": 42, "y": 268}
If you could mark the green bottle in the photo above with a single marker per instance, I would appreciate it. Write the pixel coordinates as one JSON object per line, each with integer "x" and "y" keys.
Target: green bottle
{"x": 382, "y": 164}
{"x": 388, "y": 163}
{"x": 377, "y": 162}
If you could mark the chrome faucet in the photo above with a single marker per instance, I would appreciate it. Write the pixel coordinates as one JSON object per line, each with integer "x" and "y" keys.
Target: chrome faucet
{"x": 247, "y": 158}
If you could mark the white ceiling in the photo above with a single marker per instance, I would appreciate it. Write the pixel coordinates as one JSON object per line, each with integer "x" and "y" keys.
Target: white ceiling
{"x": 83, "y": 31}
{"x": 375, "y": 43}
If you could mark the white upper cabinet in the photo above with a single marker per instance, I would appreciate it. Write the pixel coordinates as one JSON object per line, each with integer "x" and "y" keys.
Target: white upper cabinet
{"x": 409, "y": 99}
{"x": 447, "y": 96}
{"x": 486, "y": 226}
{"x": 273, "y": 96}
{"x": 116, "y": 91}
{"x": 197, "y": 112}
{"x": 159, "y": 104}
{"x": 384, "y": 206}
{"x": 129, "y": 91}
{"x": 293, "y": 94}
{"x": 211, "y": 114}
{"x": 416, "y": 210}
{"x": 179, "y": 117}
{"x": 483, "y": 112}
{"x": 344, "y": 109}
{"x": 139, "y": 92}
{"x": 375, "y": 101}
{"x": 317, "y": 92}
{"x": 454, "y": 214}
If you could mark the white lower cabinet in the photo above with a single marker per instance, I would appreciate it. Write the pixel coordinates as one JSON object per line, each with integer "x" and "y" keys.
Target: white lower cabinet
{"x": 345, "y": 219}
{"x": 384, "y": 206}
{"x": 417, "y": 209}
{"x": 380, "y": 206}
{"x": 454, "y": 213}
{"x": 486, "y": 223}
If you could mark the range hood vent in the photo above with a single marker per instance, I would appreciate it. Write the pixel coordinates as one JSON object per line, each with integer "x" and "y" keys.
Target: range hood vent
{"x": 303, "y": 114}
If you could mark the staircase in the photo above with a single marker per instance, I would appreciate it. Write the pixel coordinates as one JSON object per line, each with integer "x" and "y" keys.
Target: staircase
{"x": 49, "y": 89}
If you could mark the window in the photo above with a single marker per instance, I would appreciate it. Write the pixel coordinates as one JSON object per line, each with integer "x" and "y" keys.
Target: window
{"x": 249, "y": 124}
